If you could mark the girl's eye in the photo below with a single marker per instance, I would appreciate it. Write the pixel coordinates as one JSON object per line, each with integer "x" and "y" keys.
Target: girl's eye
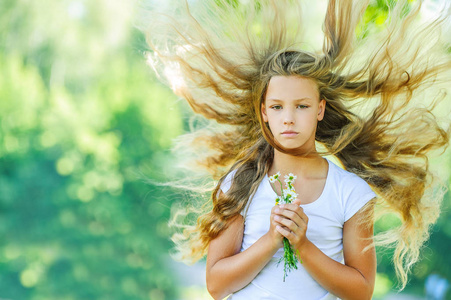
{"x": 302, "y": 106}
{"x": 276, "y": 107}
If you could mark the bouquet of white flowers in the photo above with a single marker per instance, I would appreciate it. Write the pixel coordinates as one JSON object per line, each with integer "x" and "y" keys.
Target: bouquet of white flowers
{"x": 288, "y": 195}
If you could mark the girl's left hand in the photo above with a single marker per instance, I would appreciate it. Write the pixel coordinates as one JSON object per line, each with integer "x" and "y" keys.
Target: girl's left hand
{"x": 293, "y": 223}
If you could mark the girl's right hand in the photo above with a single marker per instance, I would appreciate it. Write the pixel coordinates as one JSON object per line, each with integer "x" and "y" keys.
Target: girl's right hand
{"x": 273, "y": 234}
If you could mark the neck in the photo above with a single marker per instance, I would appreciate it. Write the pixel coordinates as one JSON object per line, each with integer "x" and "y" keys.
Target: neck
{"x": 298, "y": 165}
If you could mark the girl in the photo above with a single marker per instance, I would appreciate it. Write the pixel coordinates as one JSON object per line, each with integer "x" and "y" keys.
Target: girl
{"x": 324, "y": 229}
{"x": 360, "y": 101}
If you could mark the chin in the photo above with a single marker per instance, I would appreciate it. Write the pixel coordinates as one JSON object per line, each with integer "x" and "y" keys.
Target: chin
{"x": 299, "y": 148}
{"x": 292, "y": 147}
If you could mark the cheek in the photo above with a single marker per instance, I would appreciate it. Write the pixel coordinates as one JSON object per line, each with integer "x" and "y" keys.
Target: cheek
{"x": 311, "y": 118}
{"x": 272, "y": 117}
{"x": 271, "y": 122}
{"x": 308, "y": 121}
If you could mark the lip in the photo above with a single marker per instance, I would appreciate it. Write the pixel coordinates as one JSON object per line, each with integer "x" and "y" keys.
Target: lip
{"x": 290, "y": 133}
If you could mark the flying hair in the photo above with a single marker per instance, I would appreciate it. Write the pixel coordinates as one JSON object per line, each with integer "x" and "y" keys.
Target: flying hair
{"x": 384, "y": 93}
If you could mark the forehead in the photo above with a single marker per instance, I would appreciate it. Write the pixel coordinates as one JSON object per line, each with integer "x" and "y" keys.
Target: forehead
{"x": 291, "y": 87}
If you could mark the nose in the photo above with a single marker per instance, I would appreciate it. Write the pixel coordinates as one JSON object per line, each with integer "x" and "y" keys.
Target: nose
{"x": 288, "y": 118}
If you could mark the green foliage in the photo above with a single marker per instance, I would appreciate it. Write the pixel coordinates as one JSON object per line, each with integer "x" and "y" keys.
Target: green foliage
{"x": 82, "y": 121}
{"x": 375, "y": 16}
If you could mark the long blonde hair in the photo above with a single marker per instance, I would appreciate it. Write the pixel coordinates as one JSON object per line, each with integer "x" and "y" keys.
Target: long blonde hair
{"x": 381, "y": 95}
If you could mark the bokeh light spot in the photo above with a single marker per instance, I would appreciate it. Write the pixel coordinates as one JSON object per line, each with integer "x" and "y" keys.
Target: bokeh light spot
{"x": 29, "y": 278}
{"x": 85, "y": 194}
{"x": 65, "y": 166}
{"x": 156, "y": 294}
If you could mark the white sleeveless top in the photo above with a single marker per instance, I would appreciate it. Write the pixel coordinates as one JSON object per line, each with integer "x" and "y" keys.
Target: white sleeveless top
{"x": 343, "y": 195}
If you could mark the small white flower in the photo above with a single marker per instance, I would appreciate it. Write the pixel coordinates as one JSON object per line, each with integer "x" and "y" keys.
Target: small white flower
{"x": 290, "y": 195}
{"x": 290, "y": 177}
{"x": 274, "y": 177}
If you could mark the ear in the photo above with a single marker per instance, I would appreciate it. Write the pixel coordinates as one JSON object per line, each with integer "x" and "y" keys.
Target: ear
{"x": 321, "y": 109}
{"x": 264, "y": 115}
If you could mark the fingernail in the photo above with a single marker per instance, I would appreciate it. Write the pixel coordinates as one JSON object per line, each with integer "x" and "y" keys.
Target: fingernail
{"x": 277, "y": 210}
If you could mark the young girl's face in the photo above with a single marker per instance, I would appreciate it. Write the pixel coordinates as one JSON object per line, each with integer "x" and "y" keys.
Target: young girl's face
{"x": 292, "y": 110}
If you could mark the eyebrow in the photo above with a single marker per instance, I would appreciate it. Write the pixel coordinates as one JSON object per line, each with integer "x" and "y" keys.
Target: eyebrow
{"x": 278, "y": 100}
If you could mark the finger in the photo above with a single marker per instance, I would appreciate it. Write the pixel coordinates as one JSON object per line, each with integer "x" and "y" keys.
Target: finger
{"x": 298, "y": 210}
{"x": 292, "y": 206}
{"x": 303, "y": 215}
{"x": 291, "y": 215}
{"x": 287, "y": 224}
{"x": 290, "y": 230}
{"x": 276, "y": 209}
{"x": 291, "y": 220}
{"x": 275, "y": 220}
{"x": 285, "y": 232}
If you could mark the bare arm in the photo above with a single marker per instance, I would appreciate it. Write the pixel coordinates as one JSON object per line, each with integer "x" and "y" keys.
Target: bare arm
{"x": 228, "y": 269}
{"x": 353, "y": 280}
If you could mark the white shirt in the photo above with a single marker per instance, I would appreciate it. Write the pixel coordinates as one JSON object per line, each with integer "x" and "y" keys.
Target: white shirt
{"x": 343, "y": 195}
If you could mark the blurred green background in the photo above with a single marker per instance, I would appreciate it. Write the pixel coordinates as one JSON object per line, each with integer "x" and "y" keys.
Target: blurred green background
{"x": 83, "y": 124}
